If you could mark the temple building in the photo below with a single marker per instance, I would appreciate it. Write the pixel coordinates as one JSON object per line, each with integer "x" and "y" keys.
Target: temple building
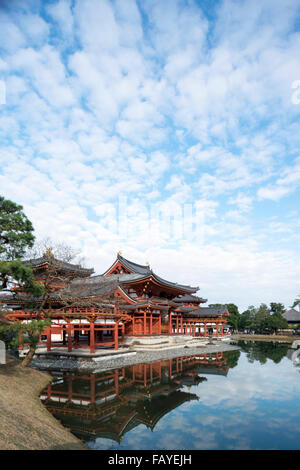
{"x": 127, "y": 300}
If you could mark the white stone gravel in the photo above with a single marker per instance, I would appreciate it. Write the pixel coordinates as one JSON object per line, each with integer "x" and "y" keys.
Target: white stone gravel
{"x": 118, "y": 361}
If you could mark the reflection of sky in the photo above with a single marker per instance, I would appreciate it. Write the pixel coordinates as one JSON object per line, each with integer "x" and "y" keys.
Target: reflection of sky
{"x": 255, "y": 407}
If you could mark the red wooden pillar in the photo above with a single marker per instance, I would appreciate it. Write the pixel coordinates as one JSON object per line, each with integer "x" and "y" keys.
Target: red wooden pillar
{"x": 133, "y": 325}
{"x": 217, "y": 325}
{"x": 145, "y": 323}
{"x": 204, "y": 330}
{"x": 221, "y": 329}
{"x": 151, "y": 326}
{"x": 92, "y": 337}
{"x": 177, "y": 323}
{"x": 181, "y": 325}
{"x": 159, "y": 323}
{"x": 116, "y": 336}
{"x": 123, "y": 333}
{"x": 48, "y": 339}
{"x": 69, "y": 331}
{"x": 194, "y": 331}
{"x": 64, "y": 336}
{"x": 170, "y": 323}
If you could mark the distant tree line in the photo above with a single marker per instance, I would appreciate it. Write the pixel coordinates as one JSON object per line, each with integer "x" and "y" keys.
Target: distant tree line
{"x": 263, "y": 319}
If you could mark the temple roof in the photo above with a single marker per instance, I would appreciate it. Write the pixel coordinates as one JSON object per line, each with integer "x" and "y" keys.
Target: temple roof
{"x": 48, "y": 259}
{"x": 140, "y": 272}
{"x": 131, "y": 266}
{"x": 292, "y": 315}
{"x": 208, "y": 311}
{"x": 188, "y": 298}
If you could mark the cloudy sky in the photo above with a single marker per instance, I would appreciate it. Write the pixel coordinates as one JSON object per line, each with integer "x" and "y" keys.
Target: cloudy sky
{"x": 168, "y": 130}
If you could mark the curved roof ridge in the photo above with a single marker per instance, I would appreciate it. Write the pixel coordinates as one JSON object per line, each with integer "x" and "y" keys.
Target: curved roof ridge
{"x": 132, "y": 265}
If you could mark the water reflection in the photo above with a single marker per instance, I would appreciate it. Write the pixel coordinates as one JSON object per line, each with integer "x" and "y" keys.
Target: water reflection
{"x": 112, "y": 403}
{"x": 242, "y": 399}
{"x": 262, "y": 351}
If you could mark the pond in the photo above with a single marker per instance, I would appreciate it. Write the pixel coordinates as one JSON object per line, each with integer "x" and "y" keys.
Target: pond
{"x": 241, "y": 399}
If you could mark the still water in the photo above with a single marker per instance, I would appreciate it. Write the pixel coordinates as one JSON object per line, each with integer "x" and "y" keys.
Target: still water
{"x": 242, "y": 399}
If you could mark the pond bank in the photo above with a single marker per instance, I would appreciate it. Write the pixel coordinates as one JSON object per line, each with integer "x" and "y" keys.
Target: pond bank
{"x": 272, "y": 338}
{"x": 25, "y": 424}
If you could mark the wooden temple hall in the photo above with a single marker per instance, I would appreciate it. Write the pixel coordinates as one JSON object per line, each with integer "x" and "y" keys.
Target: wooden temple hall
{"x": 128, "y": 300}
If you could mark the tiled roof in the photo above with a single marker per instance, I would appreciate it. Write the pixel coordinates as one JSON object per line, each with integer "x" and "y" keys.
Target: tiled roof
{"x": 208, "y": 311}
{"x": 292, "y": 315}
{"x": 43, "y": 260}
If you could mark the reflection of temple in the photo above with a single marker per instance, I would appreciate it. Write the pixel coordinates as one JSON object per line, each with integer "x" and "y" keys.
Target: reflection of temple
{"x": 102, "y": 310}
{"x": 110, "y": 404}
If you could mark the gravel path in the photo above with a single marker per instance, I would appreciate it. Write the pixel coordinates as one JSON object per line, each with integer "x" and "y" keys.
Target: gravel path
{"x": 116, "y": 362}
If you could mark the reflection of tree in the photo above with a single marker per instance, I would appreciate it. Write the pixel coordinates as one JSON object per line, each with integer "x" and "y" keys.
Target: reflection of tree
{"x": 260, "y": 351}
{"x": 232, "y": 358}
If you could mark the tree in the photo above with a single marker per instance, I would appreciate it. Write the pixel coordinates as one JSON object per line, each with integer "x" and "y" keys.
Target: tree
{"x": 16, "y": 230}
{"x": 234, "y": 315}
{"x": 277, "y": 308}
{"x": 16, "y": 235}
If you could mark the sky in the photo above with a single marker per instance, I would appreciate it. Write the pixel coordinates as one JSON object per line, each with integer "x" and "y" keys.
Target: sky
{"x": 167, "y": 130}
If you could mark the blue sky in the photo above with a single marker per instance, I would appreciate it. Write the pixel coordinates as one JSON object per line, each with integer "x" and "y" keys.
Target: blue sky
{"x": 165, "y": 129}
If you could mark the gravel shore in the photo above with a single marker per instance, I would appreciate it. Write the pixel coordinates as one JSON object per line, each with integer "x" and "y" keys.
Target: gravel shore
{"x": 115, "y": 362}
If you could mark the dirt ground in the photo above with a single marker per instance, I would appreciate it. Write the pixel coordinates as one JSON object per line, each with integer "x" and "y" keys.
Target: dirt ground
{"x": 25, "y": 424}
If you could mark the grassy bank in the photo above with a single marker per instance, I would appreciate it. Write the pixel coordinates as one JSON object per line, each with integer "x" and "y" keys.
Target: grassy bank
{"x": 25, "y": 424}
{"x": 278, "y": 338}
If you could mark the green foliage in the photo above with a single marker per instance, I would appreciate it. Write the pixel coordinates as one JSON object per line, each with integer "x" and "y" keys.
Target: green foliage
{"x": 261, "y": 351}
{"x": 232, "y": 358}
{"x": 29, "y": 332}
{"x": 234, "y": 315}
{"x": 20, "y": 274}
{"x": 15, "y": 230}
{"x": 277, "y": 308}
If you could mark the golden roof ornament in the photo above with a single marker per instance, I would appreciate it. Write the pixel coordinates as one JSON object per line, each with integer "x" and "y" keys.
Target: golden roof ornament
{"x": 48, "y": 253}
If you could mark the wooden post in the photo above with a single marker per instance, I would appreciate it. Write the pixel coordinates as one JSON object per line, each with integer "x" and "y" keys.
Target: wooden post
{"x": 92, "y": 337}
{"x": 170, "y": 323}
{"x": 145, "y": 324}
{"x": 64, "y": 336}
{"x": 159, "y": 324}
{"x": 177, "y": 323}
{"x": 116, "y": 335}
{"x": 123, "y": 333}
{"x": 69, "y": 331}
{"x": 204, "y": 330}
{"x": 181, "y": 325}
{"x": 151, "y": 323}
{"x": 49, "y": 339}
